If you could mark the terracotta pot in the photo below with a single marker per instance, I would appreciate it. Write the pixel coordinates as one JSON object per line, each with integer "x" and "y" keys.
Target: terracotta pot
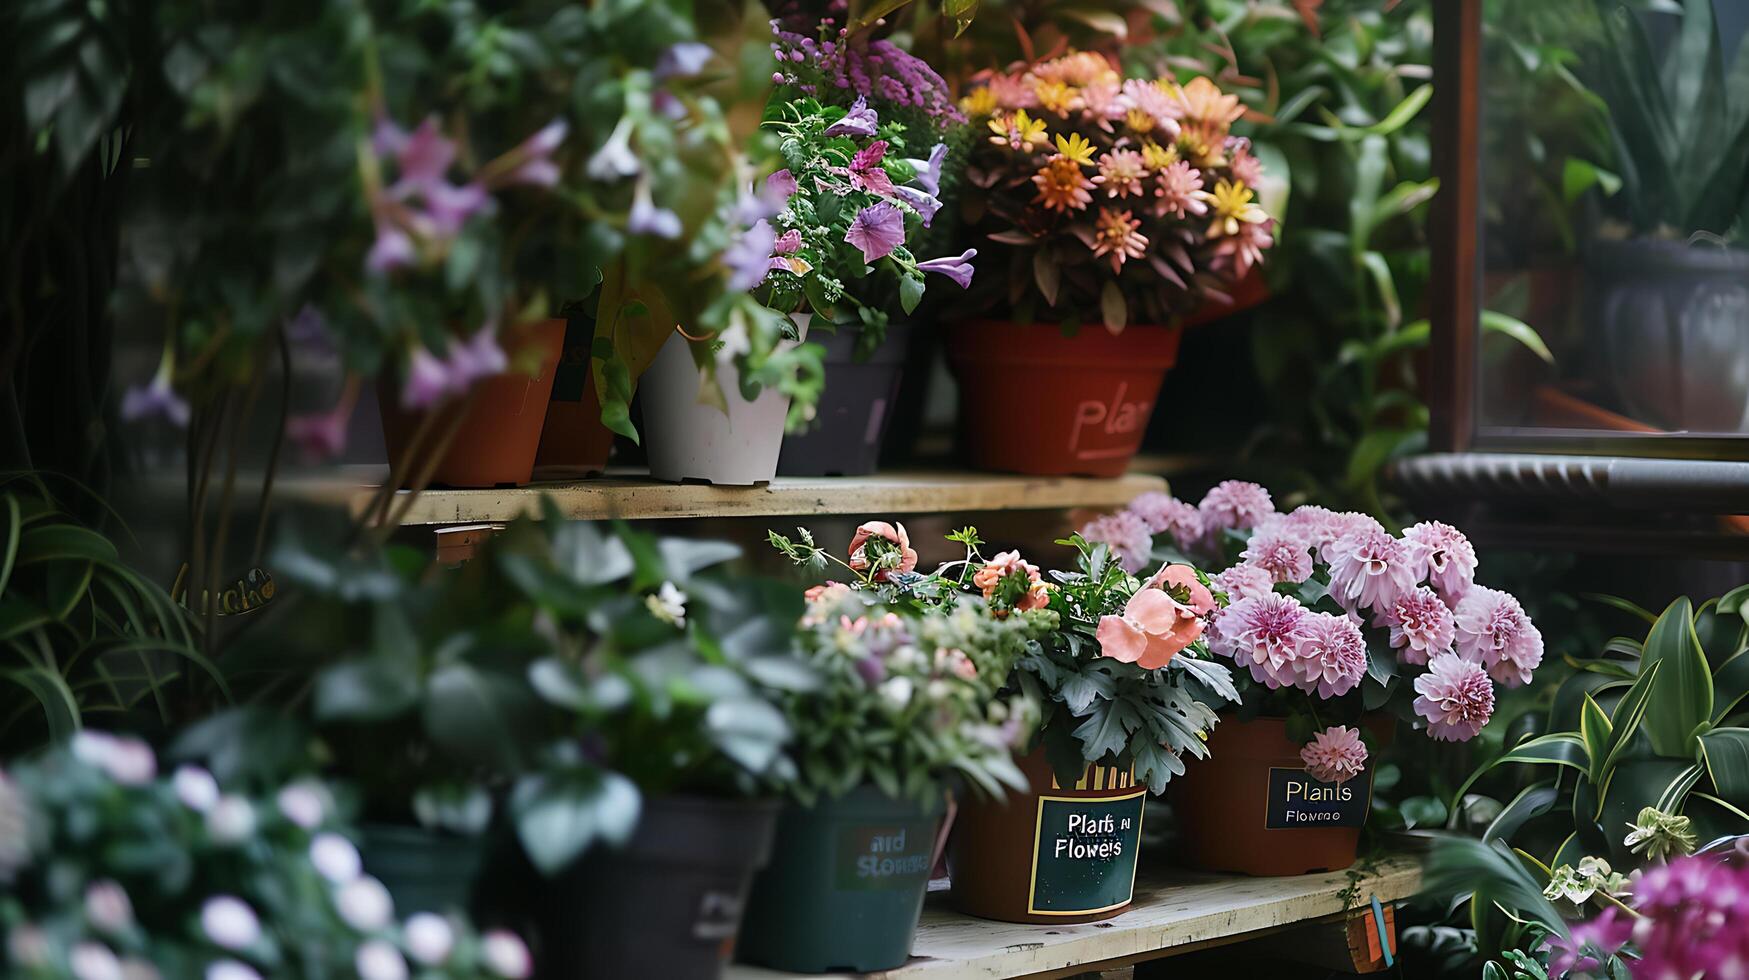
{"x": 497, "y": 438}
{"x": 1034, "y": 401}
{"x": 1052, "y": 854}
{"x": 574, "y": 443}
{"x": 1226, "y": 804}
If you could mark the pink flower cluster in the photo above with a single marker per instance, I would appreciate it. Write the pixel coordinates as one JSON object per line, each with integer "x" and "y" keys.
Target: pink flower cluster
{"x": 1284, "y": 644}
{"x": 1693, "y": 922}
{"x": 1126, "y": 534}
{"x": 1335, "y": 755}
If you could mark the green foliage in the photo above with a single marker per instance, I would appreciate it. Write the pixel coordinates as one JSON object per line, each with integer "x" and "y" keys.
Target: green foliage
{"x": 83, "y": 636}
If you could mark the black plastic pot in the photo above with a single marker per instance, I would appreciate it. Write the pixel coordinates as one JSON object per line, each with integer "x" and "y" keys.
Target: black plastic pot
{"x": 668, "y": 904}
{"x": 424, "y": 870}
{"x": 855, "y": 409}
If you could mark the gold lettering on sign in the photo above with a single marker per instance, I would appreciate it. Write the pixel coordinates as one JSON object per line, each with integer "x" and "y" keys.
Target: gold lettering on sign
{"x": 252, "y": 590}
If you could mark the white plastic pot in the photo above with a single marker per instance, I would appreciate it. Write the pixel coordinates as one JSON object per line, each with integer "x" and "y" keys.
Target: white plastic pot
{"x": 687, "y": 440}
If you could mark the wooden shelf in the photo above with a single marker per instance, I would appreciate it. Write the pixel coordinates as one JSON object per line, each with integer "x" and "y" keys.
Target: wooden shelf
{"x": 1175, "y": 911}
{"x": 640, "y": 498}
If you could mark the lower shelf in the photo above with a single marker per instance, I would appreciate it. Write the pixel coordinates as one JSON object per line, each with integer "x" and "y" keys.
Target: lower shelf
{"x": 1174, "y": 911}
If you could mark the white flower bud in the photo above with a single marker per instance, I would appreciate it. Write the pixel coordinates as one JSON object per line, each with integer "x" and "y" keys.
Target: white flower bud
{"x": 365, "y": 904}
{"x": 378, "y": 959}
{"x": 335, "y": 858}
{"x": 231, "y": 820}
{"x": 229, "y": 922}
{"x": 429, "y": 938}
{"x": 196, "y": 788}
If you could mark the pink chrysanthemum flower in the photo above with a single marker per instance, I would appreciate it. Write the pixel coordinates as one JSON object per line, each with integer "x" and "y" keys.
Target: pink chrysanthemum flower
{"x": 1283, "y": 555}
{"x": 1102, "y": 101}
{"x": 1335, "y": 755}
{"x": 1238, "y": 252}
{"x": 1493, "y": 630}
{"x": 1159, "y": 112}
{"x": 1123, "y": 171}
{"x": 1235, "y": 504}
{"x": 1332, "y": 657}
{"x": 1166, "y": 514}
{"x": 1331, "y": 531}
{"x": 1369, "y": 569}
{"x": 1264, "y": 633}
{"x": 1125, "y": 534}
{"x": 1176, "y": 190}
{"x": 1242, "y": 582}
{"x": 1456, "y": 698}
{"x": 1445, "y": 558}
{"x": 1421, "y": 625}
{"x": 1115, "y": 235}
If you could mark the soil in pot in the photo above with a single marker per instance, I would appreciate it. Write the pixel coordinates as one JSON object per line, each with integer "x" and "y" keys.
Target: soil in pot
{"x": 667, "y": 904}
{"x": 688, "y": 440}
{"x": 855, "y": 407}
{"x": 573, "y": 442}
{"x": 844, "y": 887}
{"x": 424, "y": 870}
{"x": 1053, "y": 854}
{"x": 1034, "y": 401}
{"x": 498, "y": 424}
{"x": 1251, "y": 808}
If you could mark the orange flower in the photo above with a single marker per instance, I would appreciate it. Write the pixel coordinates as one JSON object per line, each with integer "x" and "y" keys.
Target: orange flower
{"x": 1062, "y": 186}
{"x": 1116, "y": 236}
{"x": 1207, "y": 115}
{"x": 1000, "y": 569}
{"x": 900, "y": 557}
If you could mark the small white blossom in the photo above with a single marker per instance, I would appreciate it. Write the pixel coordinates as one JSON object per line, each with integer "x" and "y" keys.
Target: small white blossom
{"x": 128, "y": 761}
{"x": 335, "y": 858}
{"x": 504, "y": 954}
{"x": 229, "y": 922}
{"x": 302, "y": 803}
{"x": 93, "y": 961}
{"x": 107, "y": 907}
{"x": 28, "y": 946}
{"x": 898, "y": 691}
{"x": 668, "y": 605}
{"x": 196, "y": 788}
{"x": 429, "y": 938}
{"x": 378, "y": 959}
{"x": 365, "y": 904}
{"x": 231, "y": 820}
{"x": 230, "y": 970}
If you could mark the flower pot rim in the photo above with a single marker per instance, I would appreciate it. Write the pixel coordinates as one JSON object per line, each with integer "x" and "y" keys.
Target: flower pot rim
{"x": 1644, "y": 257}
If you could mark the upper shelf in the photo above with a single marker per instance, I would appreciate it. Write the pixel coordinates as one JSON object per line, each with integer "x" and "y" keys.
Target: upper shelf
{"x": 640, "y": 498}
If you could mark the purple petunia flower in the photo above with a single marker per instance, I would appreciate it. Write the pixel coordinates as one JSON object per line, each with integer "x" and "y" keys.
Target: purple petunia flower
{"x": 921, "y": 202}
{"x": 859, "y": 121}
{"x": 748, "y": 258}
{"x": 877, "y": 230}
{"x": 782, "y": 183}
{"x": 683, "y": 60}
{"x": 929, "y": 171}
{"x": 427, "y": 381}
{"x": 423, "y": 158}
{"x": 448, "y": 206}
{"x": 391, "y": 250}
{"x": 866, "y": 172}
{"x": 958, "y": 268}
{"x": 646, "y": 218}
{"x": 155, "y": 399}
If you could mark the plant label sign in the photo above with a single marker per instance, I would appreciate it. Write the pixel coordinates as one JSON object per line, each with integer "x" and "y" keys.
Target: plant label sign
{"x": 879, "y": 857}
{"x": 1296, "y": 800}
{"x": 1084, "y": 858}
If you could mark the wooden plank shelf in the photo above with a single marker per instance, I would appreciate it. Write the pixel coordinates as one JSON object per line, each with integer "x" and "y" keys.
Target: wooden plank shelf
{"x": 1175, "y": 911}
{"x": 639, "y": 498}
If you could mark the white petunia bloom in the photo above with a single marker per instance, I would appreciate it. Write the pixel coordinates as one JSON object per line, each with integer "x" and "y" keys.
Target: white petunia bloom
{"x": 230, "y": 922}
{"x": 428, "y": 937}
{"x": 231, "y": 820}
{"x": 378, "y": 959}
{"x": 335, "y": 858}
{"x": 365, "y": 904}
{"x": 196, "y": 788}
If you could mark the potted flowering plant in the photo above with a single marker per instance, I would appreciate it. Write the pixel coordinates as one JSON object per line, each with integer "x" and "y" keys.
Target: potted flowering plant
{"x": 1339, "y": 625}
{"x": 1125, "y": 683}
{"x": 114, "y": 870}
{"x": 867, "y": 342}
{"x": 1123, "y": 196}
{"x": 906, "y": 715}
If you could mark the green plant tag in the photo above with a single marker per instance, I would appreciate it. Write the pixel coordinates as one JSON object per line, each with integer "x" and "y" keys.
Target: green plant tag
{"x": 1297, "y": 800}
{"x": 1085, "y": 856}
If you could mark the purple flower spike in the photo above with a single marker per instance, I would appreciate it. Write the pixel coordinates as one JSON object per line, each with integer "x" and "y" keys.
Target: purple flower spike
{"x": 392, "y": 250}
{"x": 877, "y": 230}
{"x": 683, "y": 60}
{"x": 427, "y": 381}
{"x": 920, "y": 201}
{"x": 748, "y": 258}
{"x": 859, "y": 121}
{"x": 387, "y": 139}
{"x": 958, "y": 269}
{"x": 155, "y": 399}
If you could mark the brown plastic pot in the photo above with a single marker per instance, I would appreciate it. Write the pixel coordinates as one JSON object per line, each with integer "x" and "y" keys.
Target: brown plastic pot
{"x": 1001, "y": 859}
{"x": 1221, "y": 804}
{"x": 1034, "y": 401}
{"x": 500, "y": 431}
{"x": 574, "y": 443}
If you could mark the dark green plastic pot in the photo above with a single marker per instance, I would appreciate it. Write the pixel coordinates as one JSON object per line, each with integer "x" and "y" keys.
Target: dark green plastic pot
{"x": 424, "y": 870}
{"x": 844, "y": 887}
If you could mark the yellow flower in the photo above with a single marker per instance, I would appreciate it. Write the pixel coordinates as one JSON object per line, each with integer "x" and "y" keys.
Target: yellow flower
{"x": 978, "y": 102}
{"x": 1138, "y": 121}
{"x": 1076, "y": 148}
{"x": 1057, "y": 97}
{"x": 1157, "y": 157}
{"x": 1233, "y": 206}
{"x": 1018, "y": 132}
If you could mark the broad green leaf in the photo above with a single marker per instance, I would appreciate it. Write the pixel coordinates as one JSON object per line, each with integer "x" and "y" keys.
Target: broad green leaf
{"x": 1725, "y": 753}
{"x": 1558, "y": 748}
{"x": 1404, "y": 111}
{"x": 63, "y": 541}
{"x": 1594, "y": 728}
{"x": 1682, "y": 696}
{"x": 1629, "y": 712}
{"x": 1518, "y": 330}
{"x": 60, "y": 708}
{"x": 559, "y": 815}
{"x": 1635, "y": 784}
{"x": 1492, "y": 874}
{"x": 1534, "y": 801}
{"x": 1730, "y": 685}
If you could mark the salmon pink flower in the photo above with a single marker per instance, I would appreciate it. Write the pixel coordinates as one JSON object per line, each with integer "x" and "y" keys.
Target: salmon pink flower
{"x": 1335, "y": 755}
{"x": 1011, "y": 581}
{"x": 1062, "y": 186}
{"x": 1181, "y": 583}
{"x": 1152, "y": 630}
{"x": 1116, "y": 236}
{"x": 884, "y": 548}
{"x": 1176, "y": 189}
{"x": 1456, "y": 698}
{"x": 1123, "y": 171}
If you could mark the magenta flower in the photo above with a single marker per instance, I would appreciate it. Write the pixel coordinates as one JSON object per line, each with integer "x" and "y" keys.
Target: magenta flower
{"x": 1265, "y": 633}
{"x": 1493, "y": 630}
{"x": 865, "y": 170}
{"x": 1126, "y": 536}
{"x": 391, "y": 250}
{"x": 1242, "y": 582}
{"x": 876, "y": 230}
{"x": 748, "y": 257}
{"x": 781, "y": 184}
{"x": 1335, "y": 755}
{"x": 859, "y": 121}
{"x": 1445, "y": 558}
{"x": 1369, "y": 569}
{"x": 427, "y": 381}
{"x": 1692, "y": 922}
{"x": 1456, "y": 698}
{"x": 321, "y": 436}
{"x": 423, "y": 158}
{"x": 1332, "y": 658}
{"x": 682, "y": 60}
{"x": 958, "y": 268}
{"x": 1282, "y": 554}
{"x": 1421, "y": 625}
{"x": 1235, "y": 504}
{"x": 449, "y": 206}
